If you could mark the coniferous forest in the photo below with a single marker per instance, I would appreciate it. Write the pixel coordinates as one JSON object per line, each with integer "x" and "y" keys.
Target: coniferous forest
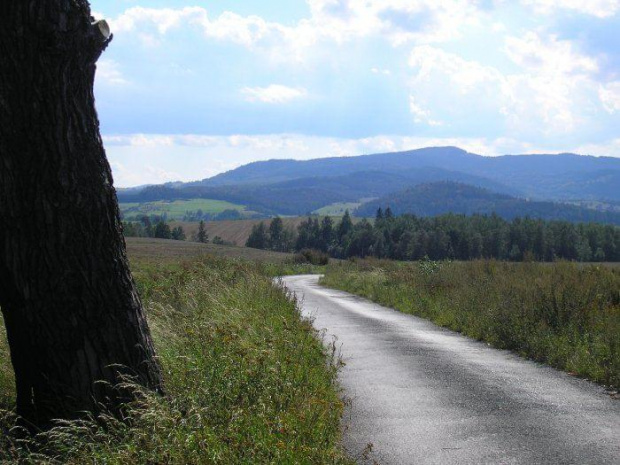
{"x": 450, "y": 236}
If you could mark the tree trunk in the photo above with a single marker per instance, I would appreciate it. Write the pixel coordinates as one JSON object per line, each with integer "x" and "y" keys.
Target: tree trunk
{"x": 70, "y": 306}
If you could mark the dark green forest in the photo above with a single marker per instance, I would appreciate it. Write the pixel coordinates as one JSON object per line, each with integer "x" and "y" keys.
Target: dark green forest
{"x": 440, "y": 198}
{"x": 449, "y": 236}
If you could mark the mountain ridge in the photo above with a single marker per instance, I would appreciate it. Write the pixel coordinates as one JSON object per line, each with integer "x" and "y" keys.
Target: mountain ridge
{"x": 292, "y": 187}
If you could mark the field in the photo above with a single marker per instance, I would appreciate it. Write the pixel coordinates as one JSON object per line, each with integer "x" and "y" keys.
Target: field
{"x": 234, "y": 231}
{"x": 562, "y": 314}
{"x": 337, "y": 209}
{"x": 175, "y": 210}
{"x": 143, "y": 249}
{"x": 247, "y": 380}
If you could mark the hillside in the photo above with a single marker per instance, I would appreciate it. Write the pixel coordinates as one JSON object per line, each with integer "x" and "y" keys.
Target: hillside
{"x": 449, "y": 197}
{"x": 552, "y": 177}
{"x": 291, "y": 188}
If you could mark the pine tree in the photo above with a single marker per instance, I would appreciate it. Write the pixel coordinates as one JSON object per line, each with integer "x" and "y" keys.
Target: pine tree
{"x": 202, "y": 235}
{"x": 344, "y": 227}
{"x": 178, "y": 234}
{"x": 258, "y": 238}
{"x": 276, "y": 233}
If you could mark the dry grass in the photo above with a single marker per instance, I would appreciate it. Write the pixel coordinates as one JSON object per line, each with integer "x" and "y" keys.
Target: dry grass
{"x": 236, "y": 231}
{"x": 142, "y": 249}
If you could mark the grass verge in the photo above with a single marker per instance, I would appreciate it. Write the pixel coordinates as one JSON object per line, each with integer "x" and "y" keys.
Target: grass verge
{"x": 246, "y": 379}
{"x": 561, "y": 314}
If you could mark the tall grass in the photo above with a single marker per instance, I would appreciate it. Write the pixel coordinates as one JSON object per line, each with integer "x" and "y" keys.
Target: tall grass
{"x": 562, "y": 314}
{"x": 246, "y": 380}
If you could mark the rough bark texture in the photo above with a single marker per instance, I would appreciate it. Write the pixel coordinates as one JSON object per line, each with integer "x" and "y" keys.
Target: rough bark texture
{"x": 71, "y": 310}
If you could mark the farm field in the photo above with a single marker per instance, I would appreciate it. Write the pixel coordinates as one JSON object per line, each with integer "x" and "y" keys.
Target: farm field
{"x": 238, "y": 231}
{"x": 233, "y": 231}
{"x": 176, "y": 209}
{"x": 145, "y": 249}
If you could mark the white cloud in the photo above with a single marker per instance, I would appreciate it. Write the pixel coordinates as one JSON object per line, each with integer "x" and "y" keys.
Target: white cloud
{"x": 552, "y": 91}
{"x": 610, "y": 96}
{"x": 108, "y": 72}
{"x": 273, "y": 94}
{"x": 420, "y": 115}
{"x": 465, "y": 75}
{"x": 550, "y": 56}
{"x": 228, "y": 26}
{"x": 599, "y": 8}
{"x": 399, "y": 21}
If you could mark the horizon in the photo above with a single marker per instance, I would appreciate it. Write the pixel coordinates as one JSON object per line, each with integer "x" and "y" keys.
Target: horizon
{"x": 187, "y": 92}
{"x": 375, "y": 154}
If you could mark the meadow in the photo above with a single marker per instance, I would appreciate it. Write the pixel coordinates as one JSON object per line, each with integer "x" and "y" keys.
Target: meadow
{"x": 176, "y": 209}
{"x": 337, "y": 209}
{"x": 247, "y": 379}
{"x": 563, "y": 314}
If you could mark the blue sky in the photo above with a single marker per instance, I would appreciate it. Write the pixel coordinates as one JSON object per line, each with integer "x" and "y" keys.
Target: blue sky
{"x": 188, "y": 90}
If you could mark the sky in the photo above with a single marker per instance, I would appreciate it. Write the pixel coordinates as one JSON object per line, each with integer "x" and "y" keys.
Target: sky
{"x": 189, "y": 90}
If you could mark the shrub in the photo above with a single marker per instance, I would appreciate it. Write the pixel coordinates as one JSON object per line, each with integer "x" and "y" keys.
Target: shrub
{"x": 311, "y": 256}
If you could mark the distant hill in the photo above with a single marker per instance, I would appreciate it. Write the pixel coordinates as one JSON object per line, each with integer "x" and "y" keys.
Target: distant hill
{"x": 299, "y": 196}
{"x": 288, "y": 187}
{"x": 549, "y": 177}
{"x": 449, "y": 197}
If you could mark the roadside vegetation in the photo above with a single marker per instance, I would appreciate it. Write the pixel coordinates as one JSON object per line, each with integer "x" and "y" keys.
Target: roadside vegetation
{"x": 563, "y": 314}
{"x": 247, "y": 380}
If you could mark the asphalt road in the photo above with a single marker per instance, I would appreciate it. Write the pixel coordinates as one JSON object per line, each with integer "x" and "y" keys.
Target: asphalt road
{"x": 425, "y": 395}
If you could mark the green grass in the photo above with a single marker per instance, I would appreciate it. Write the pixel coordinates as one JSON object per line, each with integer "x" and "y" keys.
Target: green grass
{"x": 561, "y": 314}
{"x": 337, "y": 209}
{"x": 247, "y": 379}
{"x": 176, "y": 209}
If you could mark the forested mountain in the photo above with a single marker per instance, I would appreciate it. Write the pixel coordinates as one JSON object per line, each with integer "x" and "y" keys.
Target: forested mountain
{"x": 450, "y": 197}
{"x": 288, "y": 187}
{"x": 549, "y": 177}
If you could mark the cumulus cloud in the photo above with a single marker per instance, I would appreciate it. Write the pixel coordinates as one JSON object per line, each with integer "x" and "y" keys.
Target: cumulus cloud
{"x": 228, "y": 26}
{"x": 550, "y": 91}
{"x": 459, "y": 67}
{"x": 420, "y": 115}
{"x": 548, "y": 55}
{"x": 610, "y": 96}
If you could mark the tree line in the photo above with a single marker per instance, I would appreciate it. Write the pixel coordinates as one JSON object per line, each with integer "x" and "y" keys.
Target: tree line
{"x": 152, "y": 226}
{"x": 449, "y": 236}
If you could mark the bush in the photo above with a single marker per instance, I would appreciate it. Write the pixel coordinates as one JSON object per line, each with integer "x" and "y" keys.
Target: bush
{"x": 311, "y": 256}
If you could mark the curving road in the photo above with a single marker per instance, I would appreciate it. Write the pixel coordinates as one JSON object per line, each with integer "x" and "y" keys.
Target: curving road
{"x": 425, "y": 395}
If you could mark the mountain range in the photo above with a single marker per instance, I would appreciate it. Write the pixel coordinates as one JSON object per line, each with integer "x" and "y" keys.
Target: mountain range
{"x": 290, "y": 187}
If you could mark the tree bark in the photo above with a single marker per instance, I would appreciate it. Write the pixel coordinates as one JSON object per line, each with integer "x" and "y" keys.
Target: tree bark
{"x": 71, "y": 310}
